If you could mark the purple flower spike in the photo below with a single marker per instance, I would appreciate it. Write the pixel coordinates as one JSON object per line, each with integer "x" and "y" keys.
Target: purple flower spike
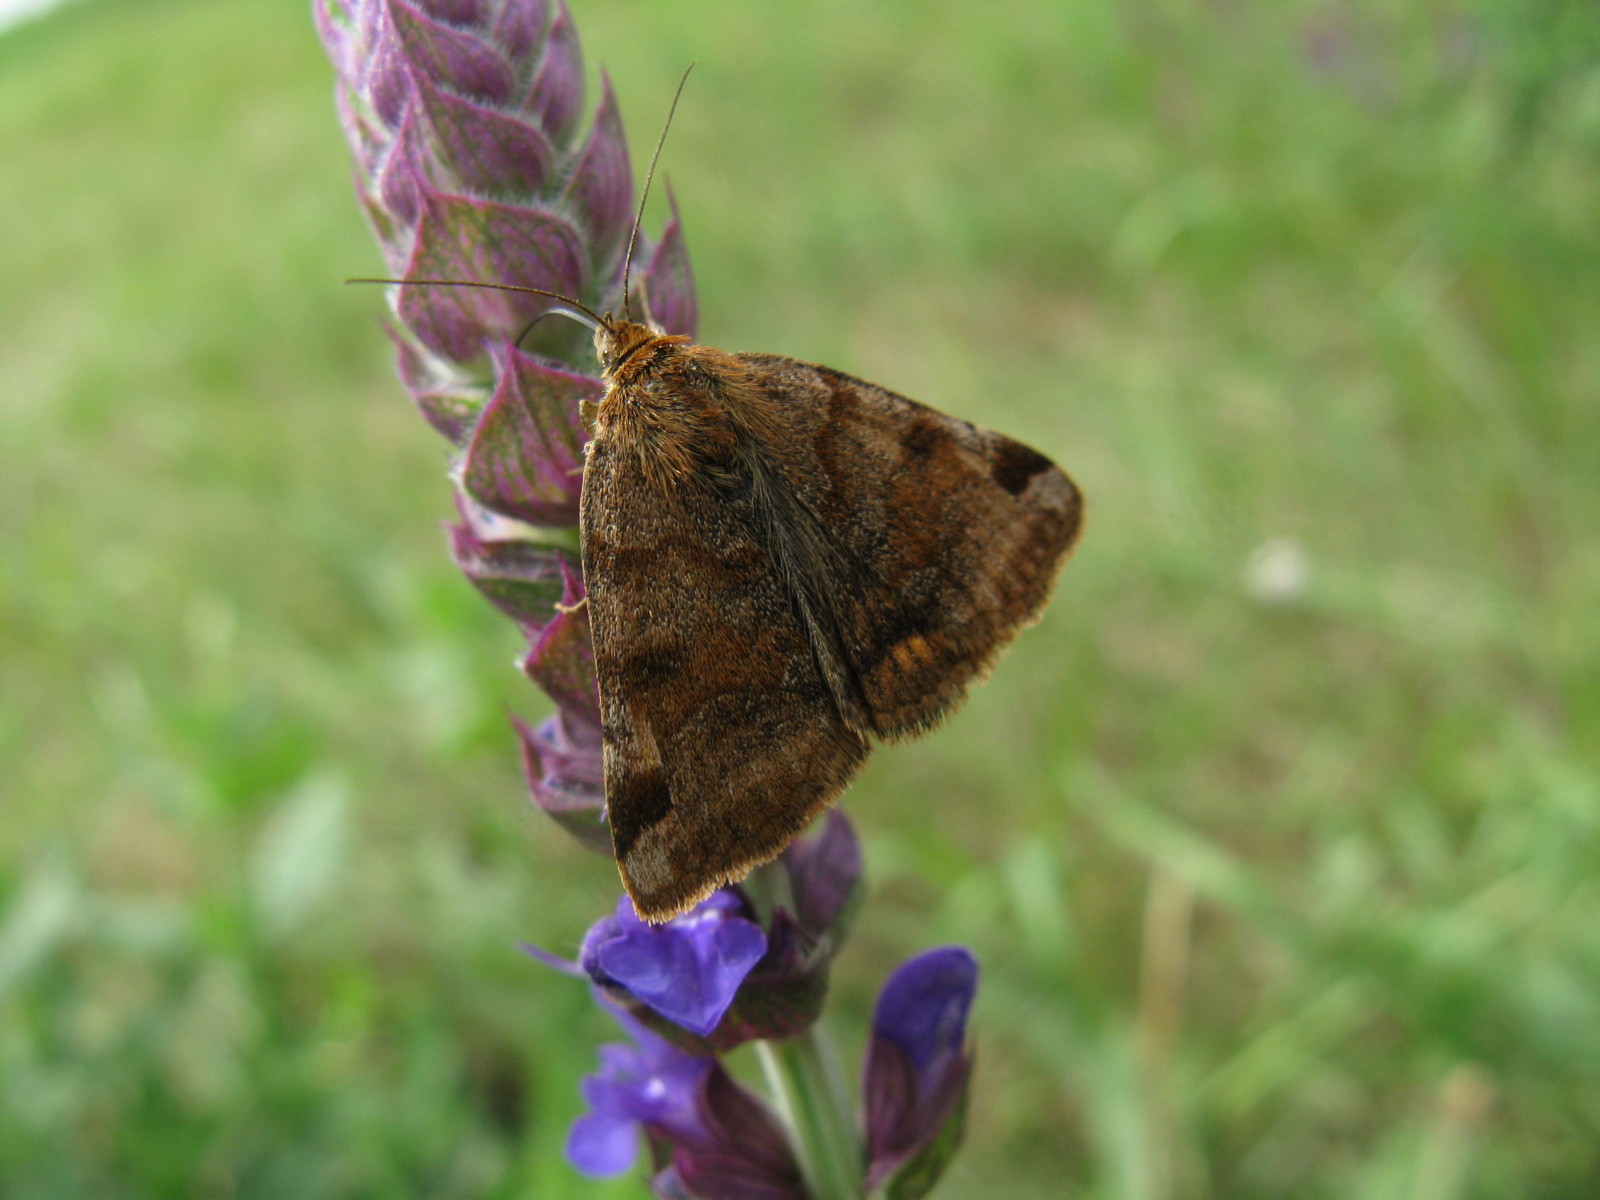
{"x": 454, "y": 57}
{"x": 464, "y": 119}
{"x": 461, "y": 237}
{"x": 556, "y": 96}
{"x": 487, "y": 152}
{"x": 917, "y": 1071}
{"x": 686, "y": 969}
{"x": 518, "y": 27}
{"x": 601, "y": 187}
{"x": 447, "y": 402}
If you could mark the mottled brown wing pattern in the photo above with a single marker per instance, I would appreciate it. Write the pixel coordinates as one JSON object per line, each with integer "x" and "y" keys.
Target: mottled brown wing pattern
{"x": 945, "y": 539}
{"x": 722, "y": 740}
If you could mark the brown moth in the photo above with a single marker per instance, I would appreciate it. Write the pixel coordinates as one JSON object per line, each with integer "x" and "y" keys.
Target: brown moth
{"x": 784, "y": 563}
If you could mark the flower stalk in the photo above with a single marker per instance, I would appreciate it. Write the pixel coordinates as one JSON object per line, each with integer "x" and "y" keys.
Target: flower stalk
{"x": 801, "y": 1079}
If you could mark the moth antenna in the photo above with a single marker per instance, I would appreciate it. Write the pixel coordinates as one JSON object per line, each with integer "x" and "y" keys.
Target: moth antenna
{"x": 596, "y": 318}
{"x": 549, "y": 312}
{"x": 633, "y": 236}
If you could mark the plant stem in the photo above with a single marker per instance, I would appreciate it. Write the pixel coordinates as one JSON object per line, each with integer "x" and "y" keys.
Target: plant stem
{"x": 804, "y": 1089}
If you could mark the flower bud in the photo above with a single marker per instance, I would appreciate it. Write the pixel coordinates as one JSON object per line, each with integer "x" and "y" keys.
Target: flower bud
{"x": 918, "y": 1069}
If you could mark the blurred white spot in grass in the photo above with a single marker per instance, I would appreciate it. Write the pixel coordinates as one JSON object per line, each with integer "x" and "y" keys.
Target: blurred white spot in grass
{"x": 1277, "y": 572}
{"x": 298, "y": 854}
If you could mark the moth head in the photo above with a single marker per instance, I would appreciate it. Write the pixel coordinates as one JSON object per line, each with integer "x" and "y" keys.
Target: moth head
{"x": 616, "y": 342}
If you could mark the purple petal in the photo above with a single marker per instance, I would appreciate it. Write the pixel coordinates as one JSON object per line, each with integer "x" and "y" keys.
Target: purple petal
{"x": 556, "y": 97}
{"x": 889, "y": 1102}
{"x": 650, "y": 1083}
{"x": 451, "y": 56}
{"x": 824, "y": 871}
{"x": 522, "y": 579}
{"x": 518, "y": 28}
{"x": 601, "y": 1145}
{"x": 915, "y": 1082}
{"x": 669, "y": 283}
{"x": 923, "y": 1007}
{"x": 600, "y": 192}
{"x": 687, "y": 969}
{"x": 606, "y": 929}
{"x": 486, "y": 151}
{"x": 784, "y": 992}
{"x": 525, "y": 458}
{"x": 561, "y": 661}
{"x": 722, "y": 1139}
{"x": 482, "y": 241}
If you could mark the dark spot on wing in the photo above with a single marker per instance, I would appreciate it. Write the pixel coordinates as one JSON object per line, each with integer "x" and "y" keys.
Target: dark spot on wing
{"x": 640, "y": 800}
{"x": 649, "y": 668}
{"x": 920, "y": 437}
{"x": 1014, "y": 465}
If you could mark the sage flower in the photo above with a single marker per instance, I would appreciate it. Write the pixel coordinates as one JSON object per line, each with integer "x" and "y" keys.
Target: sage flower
{"x": 710, "y": 1138}
{"x": 721, "y": 974}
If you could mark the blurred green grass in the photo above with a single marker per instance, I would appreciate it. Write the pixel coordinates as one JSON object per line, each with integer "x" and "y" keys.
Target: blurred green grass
{"x": 1278, "y": 840}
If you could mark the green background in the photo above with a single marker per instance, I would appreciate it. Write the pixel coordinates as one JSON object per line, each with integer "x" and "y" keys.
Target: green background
{"x": 1278, "y": 839}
